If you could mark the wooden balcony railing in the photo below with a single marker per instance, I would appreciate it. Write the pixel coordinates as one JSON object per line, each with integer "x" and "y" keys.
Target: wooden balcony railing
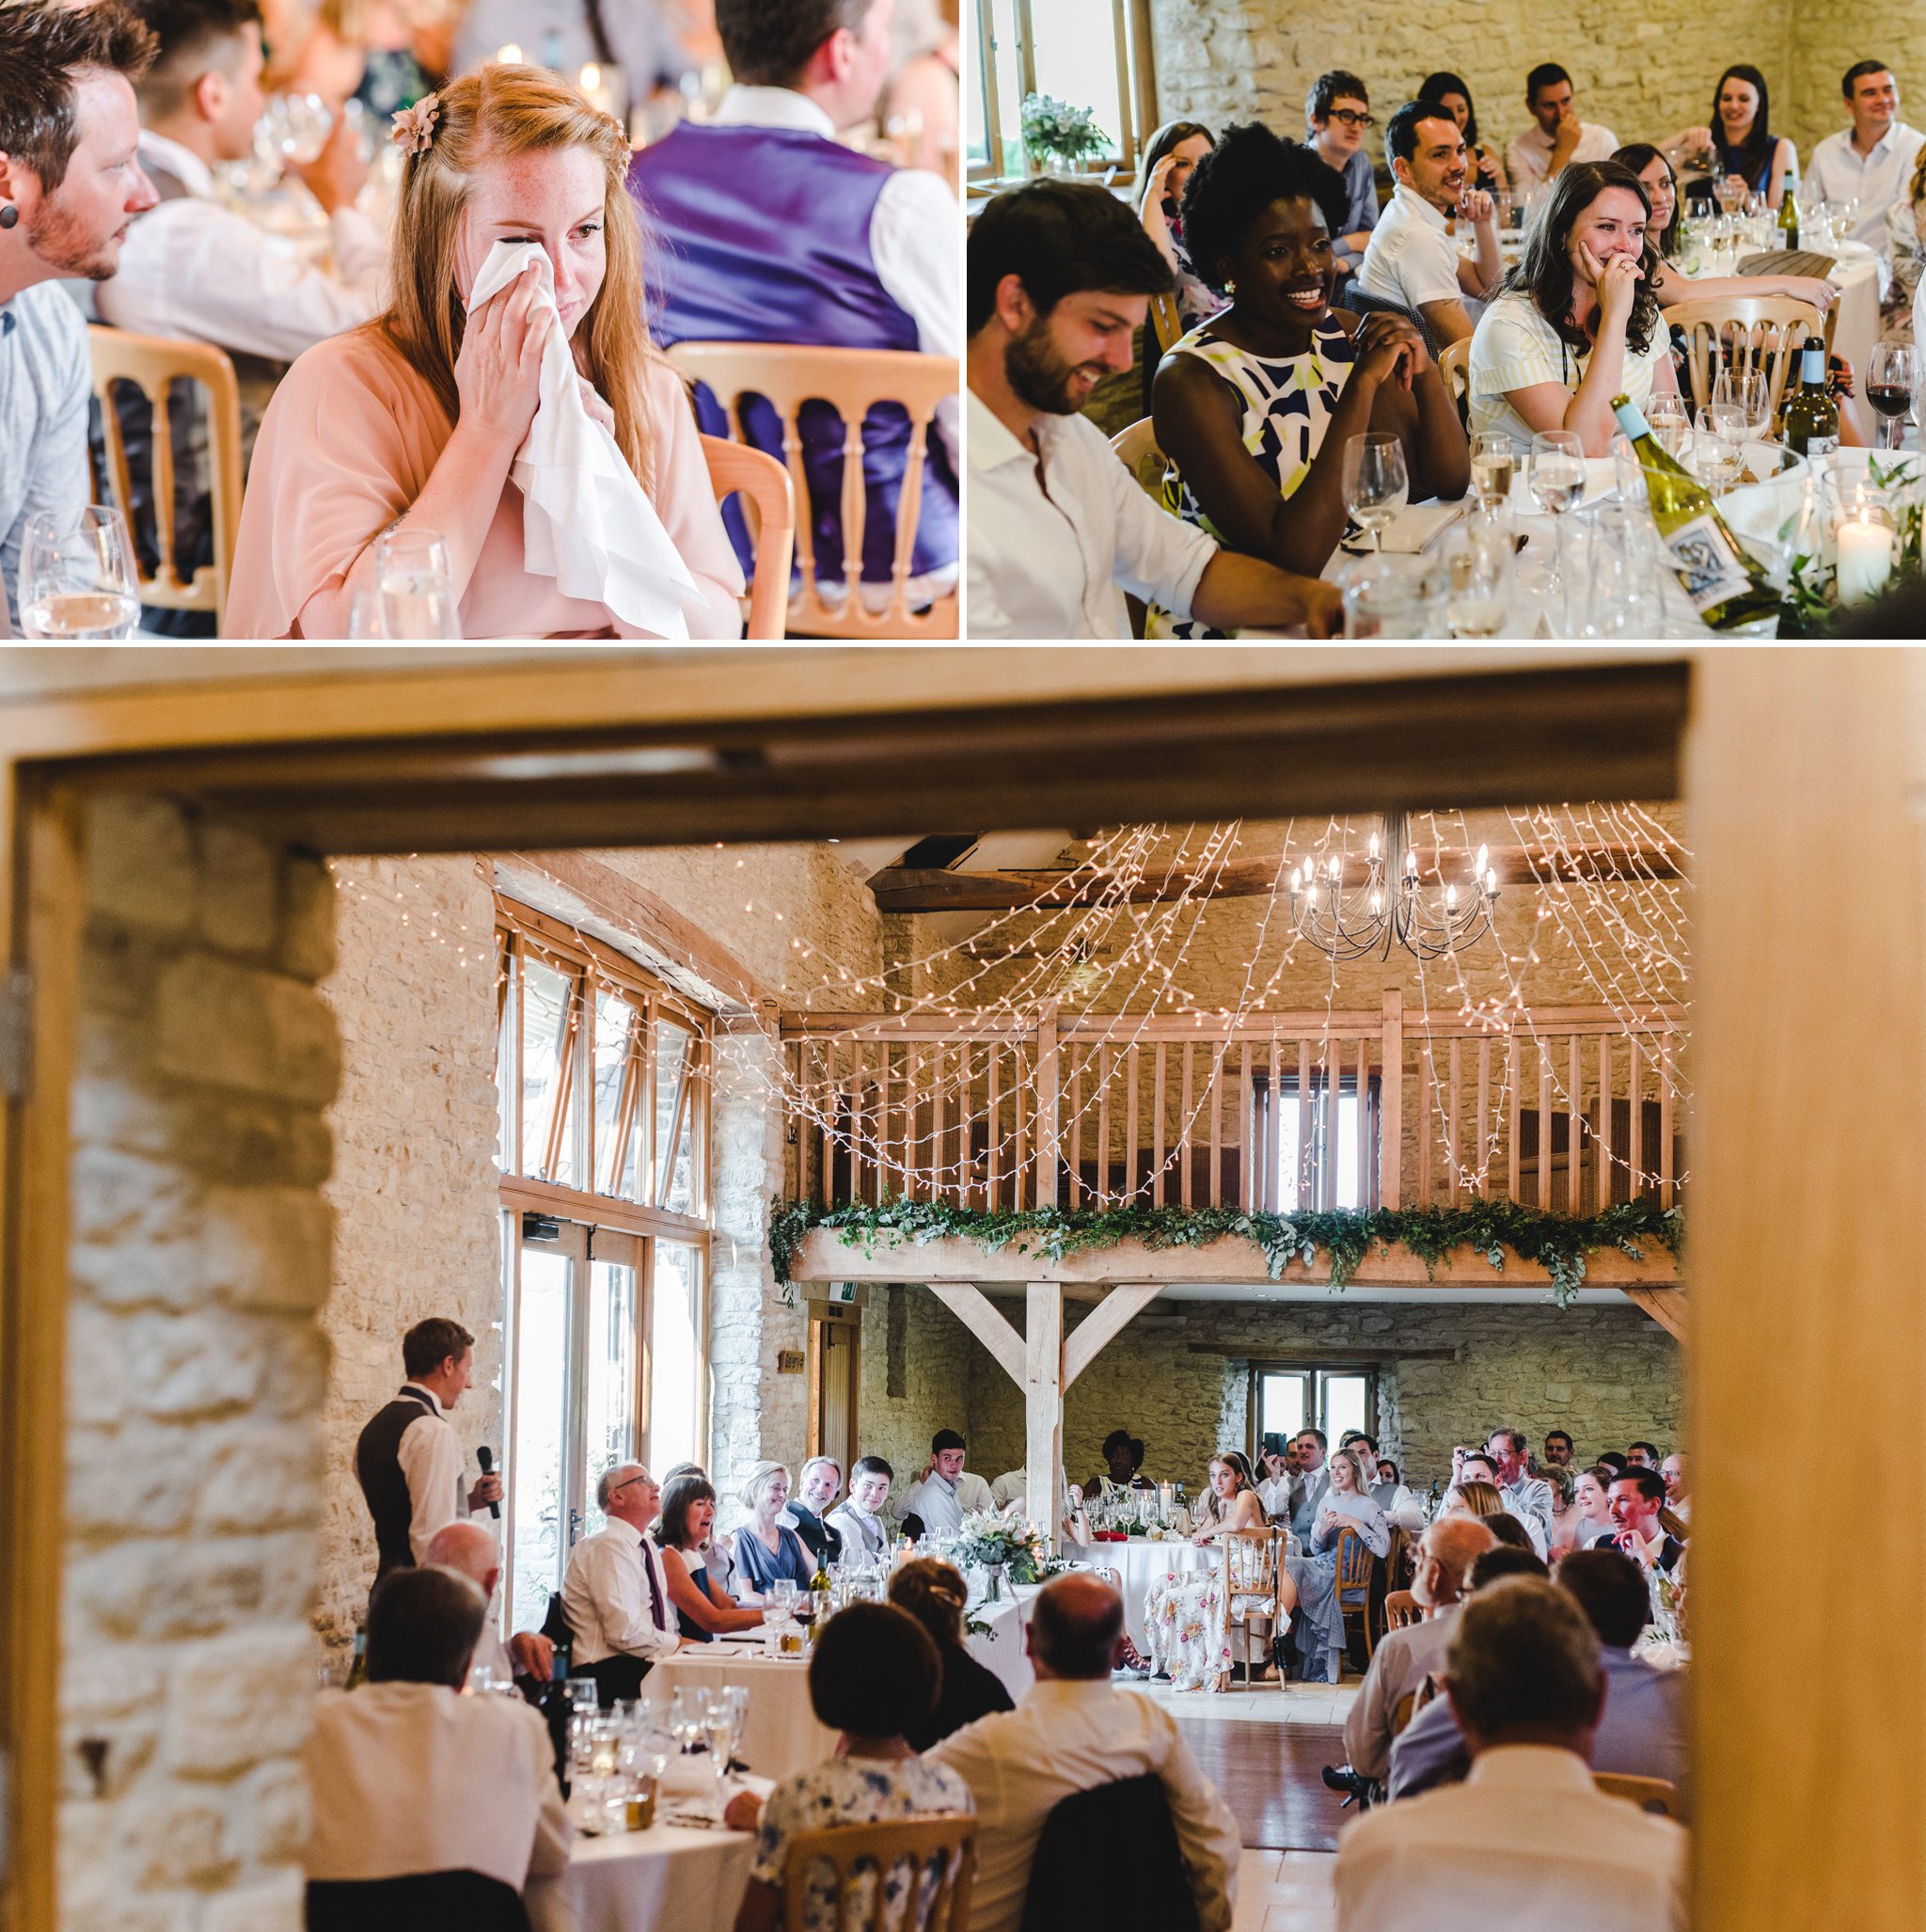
{"x": 1566, "y": 1108}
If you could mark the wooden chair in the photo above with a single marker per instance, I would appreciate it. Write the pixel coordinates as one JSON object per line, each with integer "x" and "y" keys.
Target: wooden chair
{"x": 944, "y": 1840}
{"x": 1401, "y": 1710}
{"x": 770, "y": 506}
{"x": 153, "y": 364}
{"x": 852, "y": 381}
{"x": 1648, "y": 1794}
{"x": 1252, "y": 1565}
{"x": 1136, "y": 449}
{"x": 1763, "y": 332}
{"x": 1401, "y": 1608}
{"x": 1356, "y": 1567}
{"x": 1162, "y": 328}
{"x": 1454, "y": 365}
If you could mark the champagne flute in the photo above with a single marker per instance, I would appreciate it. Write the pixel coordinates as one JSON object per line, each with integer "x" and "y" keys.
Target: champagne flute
{"x": 1557, "y": 485}
{"x": 1889, "y": 388}
{"x": 1376, "y": 483}
{"x": 77, "y": 575}
{"x": 1493, "y": 464}
{"x": 415, "y": 584}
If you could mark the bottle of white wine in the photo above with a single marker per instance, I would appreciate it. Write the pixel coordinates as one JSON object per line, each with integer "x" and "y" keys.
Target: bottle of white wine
{"x": 1789, "y": 219}
{"x": 1811, "y": 415}
{"x": 1726, "y": 587}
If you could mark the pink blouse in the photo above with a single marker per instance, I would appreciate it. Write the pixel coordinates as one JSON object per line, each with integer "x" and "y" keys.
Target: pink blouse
{"x": 346, "y": 446}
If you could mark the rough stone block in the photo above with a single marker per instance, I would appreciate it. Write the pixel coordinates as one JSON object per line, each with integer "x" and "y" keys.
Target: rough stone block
{"x": 175, "y": 1837}
{"x": 137, "y": 1479}
{"x": 117, "y": 1197}
{"x": 140, "y": 864}
{"x": 263, "y": 1476}
{"x": 271, "y": 1820}
{"x": 202, "y": 1363}
{"x": 267, "y": 1248}
{"x": 234, "y": 1700}
{"x": 225, "y": 1025}
{"x": 307, "y": 918}
{"x": 271, "y": 1904}
{"x": 240, "y": 888}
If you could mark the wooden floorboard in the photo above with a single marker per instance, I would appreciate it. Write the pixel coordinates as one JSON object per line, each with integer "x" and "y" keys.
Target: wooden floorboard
{"x": 1269, "y": 1776}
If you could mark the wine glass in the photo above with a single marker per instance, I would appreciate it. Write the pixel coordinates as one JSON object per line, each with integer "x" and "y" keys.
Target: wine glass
{"x": 1493, "y": 464}
{"x": 295, "y": 127}
{"x": 1889, "y": 388}
{"x": 1376, "y": 485}
{"x": 1670, "y": 422}
{"x": 77, "y": 575}
{"x": 1721, "y": 445}
{"x": 1478, "y": 564}
{"x": 1558, "y": 470}
{"x": 415, "y": 584}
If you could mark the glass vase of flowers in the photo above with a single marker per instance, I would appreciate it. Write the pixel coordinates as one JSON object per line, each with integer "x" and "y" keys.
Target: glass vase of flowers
{"x": 1059, "y": 138}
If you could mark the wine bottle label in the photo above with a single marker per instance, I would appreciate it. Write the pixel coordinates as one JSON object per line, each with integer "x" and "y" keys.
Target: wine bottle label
{"x": 1811, "y": 446}
{"x": 1703, "y": 556}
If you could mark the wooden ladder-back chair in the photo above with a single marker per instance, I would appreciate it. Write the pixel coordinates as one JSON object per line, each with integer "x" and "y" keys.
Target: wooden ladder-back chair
{"x": 1648, "y": 1794}
{"x": 1162, "y": 328}
{"x": 1355, "y": 1564}
{"x": 944, "y": 1841}
{"x": 1454, "y": 365}
{"x": 1401, "y": 1610}
{"x": 852, "y": 381}
{"x": 1136, "y": 449}
{"x": 1763, "y": 332}
{"x": 1252, "y": 1565}
{"x": 769, "y": 501}
{"x": 153, "y": 365}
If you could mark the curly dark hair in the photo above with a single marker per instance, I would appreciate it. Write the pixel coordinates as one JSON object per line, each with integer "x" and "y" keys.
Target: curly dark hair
{"x": 1544, "y": 270}
{"x": 42, "y": 48}
{"x": 1249, "y": 169}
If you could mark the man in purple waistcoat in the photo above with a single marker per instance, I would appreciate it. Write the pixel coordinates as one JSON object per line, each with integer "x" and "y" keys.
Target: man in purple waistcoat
{"x": 765, "y": 229}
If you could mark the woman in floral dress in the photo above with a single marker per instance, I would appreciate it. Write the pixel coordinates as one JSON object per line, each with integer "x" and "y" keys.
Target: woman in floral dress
{"x": 1184, "y": 1608}
{"x": 1309, "y": 1586}
{"x": 873, "y": 1675}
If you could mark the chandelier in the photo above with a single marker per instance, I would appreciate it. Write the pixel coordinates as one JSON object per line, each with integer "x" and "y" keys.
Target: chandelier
{"x": 1349, "y": 911}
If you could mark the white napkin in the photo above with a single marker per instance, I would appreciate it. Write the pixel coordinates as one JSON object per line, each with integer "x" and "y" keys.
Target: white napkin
{"x": 586, "y": 521}
{"x": 1412, "y": 531}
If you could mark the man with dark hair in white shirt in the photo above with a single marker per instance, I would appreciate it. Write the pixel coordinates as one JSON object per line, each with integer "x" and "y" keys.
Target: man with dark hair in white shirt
{"x": 1073, "y": 1732}
{"x": 614, "y": 1593}
{"x": 1527, "y": 1839}
{"x": 1060, "y": 277}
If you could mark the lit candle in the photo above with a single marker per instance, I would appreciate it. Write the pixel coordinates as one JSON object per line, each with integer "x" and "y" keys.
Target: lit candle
{"x": 1865, "y": 558}
{"x": 508, "y": 56}
{"x": 597, "y": 90}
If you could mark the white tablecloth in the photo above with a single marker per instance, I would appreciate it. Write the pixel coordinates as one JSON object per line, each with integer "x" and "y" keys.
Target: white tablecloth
{"x": 1139, "y": 1562}
{"x": 781, "y": 1736}
{"x": 999, "y": 1648}
{"x": 670, "y": 1878}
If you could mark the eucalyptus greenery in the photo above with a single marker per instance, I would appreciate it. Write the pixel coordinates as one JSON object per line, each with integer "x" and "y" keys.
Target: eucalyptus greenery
{"x": 1560, "y": 1244}
{"x": 1053, "y": 127}
{"x": 1812, "y": 608}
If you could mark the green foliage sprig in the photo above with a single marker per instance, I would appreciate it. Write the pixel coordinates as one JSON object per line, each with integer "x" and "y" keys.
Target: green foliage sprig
{"x": 1055, "y": 127}
{"x": 1560, "y": 1244}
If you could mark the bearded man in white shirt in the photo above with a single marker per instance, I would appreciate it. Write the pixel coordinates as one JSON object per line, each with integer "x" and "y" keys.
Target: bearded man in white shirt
{"x": 1060, "y": 277}
{"x": 614, "y": 1594}
{"x": 1526, "y": 1839}
{"x": 1873, "y": 161}
{"x": 1072, "y": 1732}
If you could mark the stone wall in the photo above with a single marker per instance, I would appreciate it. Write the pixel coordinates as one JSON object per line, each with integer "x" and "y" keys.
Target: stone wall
{"x": 1828, "y": 36}
{"x": 196, "y": 1374}
{"x": 918, "y": 1370}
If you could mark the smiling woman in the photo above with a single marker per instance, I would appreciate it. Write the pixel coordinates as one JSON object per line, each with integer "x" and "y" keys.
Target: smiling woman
{"x": 414, "y": 423}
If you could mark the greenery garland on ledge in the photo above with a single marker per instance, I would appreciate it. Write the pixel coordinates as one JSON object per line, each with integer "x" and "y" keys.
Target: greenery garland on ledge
{"x": 1560, "y": 1244}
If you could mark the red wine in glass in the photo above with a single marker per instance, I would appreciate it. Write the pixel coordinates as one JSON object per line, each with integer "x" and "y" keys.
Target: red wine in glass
{"x": 1889, "y": 398}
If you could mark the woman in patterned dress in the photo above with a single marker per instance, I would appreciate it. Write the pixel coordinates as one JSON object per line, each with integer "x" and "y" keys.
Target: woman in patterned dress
{"x": 873, "y": 1675}
{"x": 1184, "y": 1610}
{"x": 1253, "y": 407}
{"x": 1309, "y": 1586}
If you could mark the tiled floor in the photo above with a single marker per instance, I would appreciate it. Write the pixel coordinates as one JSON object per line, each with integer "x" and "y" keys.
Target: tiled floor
{"x": 1265, "y": 1703}
{"x": 1285, "y": 1891}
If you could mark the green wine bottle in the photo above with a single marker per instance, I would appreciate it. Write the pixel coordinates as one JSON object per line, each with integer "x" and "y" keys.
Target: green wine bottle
{"x": 1811, "y": 415}
{"x": 1726, "y": 587}
{"x": 1789, "y": 219}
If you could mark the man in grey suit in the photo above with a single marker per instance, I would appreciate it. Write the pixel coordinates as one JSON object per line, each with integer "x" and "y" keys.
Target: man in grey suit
{"x": 1313, "y": 1479}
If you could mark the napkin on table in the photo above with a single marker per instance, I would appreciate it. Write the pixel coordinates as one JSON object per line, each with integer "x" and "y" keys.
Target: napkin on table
{"x": 586, "y": 521}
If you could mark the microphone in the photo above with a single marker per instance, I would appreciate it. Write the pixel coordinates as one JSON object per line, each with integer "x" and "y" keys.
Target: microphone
{"x": 485, "y": 1456}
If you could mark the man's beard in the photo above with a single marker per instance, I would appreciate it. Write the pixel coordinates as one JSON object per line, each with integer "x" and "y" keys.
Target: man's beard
{"x": 1037, "y": 374}
{"x": 60, "y": 242}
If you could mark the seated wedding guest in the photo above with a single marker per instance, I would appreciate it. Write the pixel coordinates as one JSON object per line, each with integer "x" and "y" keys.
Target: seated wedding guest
{"x": 816, "y": 1483}
{"x": 716, "y": 1553}
{"x": 1872, "y": 160}
{"x": 70, "y": 181}
{"x": 615, "y": 1593}
{"x": 766, "y": 1549}
{"x": 1072, "y": 1732}
{"x": 406, "y": 1777}
{"x": 1123, "y": 1466}
{"x": 1557, "y": 137}
{"x": 1614, "y": 1460}
{"x": 1511, "y": 1532}
{"x": 1637, "y": 1498}
{"x": 924, "y": 93}
{"x": 1010, "y": 1495}
{"x": 1308, "y": 1587}
{"x": 1577, "y": 323}
{"x": 1477, "y": 1465}
{"x": 1412, "y": 258}
{"x": 1253, "y": 409}
{"x": 1557, "y": 1441}
{"x": 1061, "y": 278}
{"x": 1472, "y": 1497}
{"x": 1527, "y": 1496}
{"x": 473, "y": 1551}
{"x": 1642, "y": 1455}
{"x": 1337, "y": 112}
{"x": 1592, "y": 1499}
{"x": 771, "y": 230}
{"x": 704, "y": 1608}
{"x": 1487, "y": 170}
{"x": 415, "y": 423}
{"x": 565, "y": 36}
{"x": 1184, "y": 1610}
{"x": 1404, "y": 1658}
{"x": 873, "y": 1675}
{"x": 948, "y": 1492}
{"x": 1905, "y": 239}
{"x": 1527, "y": 1839}
{"x": 1678, "y": 1491}
{"x": 1172, "y": 151}
{"x": 1568, "y": 1516}
{"x": 1746, "y": 154}
{"x": 858, "y": 1519}
{"x": 934, "y": 1593}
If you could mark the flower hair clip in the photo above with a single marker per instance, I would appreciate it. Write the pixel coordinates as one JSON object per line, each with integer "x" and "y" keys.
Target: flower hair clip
{"x": 413, "y": 131}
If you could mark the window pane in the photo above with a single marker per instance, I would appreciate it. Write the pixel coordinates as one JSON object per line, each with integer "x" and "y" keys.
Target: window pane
{"x": 535, "y": 1467}
{"x": 1289, "y": 1170}
{"x": 609, "y": 1400}
{"x": 614, "y": 1018}
{"x": 1281, "y": 1406}
{"x": 675, "y": 1364}
{"x": 673, "y": 1044}
{"x": 504, "y": 1055}
{"x": 1347, "y": 1193}
{"x": 1345, "y": 1404}
{"x": 1007, "y": 55}
{"x": 1076, "y": 59}
{"x": 546, "y": 995}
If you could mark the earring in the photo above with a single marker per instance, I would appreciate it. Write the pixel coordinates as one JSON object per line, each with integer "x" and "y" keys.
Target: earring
{"x": 9, "y": 215}
{"x": 1230, "y": 288}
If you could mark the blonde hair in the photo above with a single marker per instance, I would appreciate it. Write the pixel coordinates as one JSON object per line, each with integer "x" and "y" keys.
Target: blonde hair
{"x": 1355, "y": 1463}
{"x": 759, "y": 1479}
{"x": 506, "y": 111}
{"x": 1480, "y": 1500}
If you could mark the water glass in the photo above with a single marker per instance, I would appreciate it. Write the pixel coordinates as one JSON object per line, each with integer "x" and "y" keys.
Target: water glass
{"x": 415, "y": 584}
{"x": 1721, "y": 447}
{"x": 1558, "y": 470}
{"x": 1749, "y": 392}
{"x": 77, "y": 575}
{"x": 1393, "y": 597}
{"x": 1477, "y": 564}
{"x": 1493, "y": 468}
{"x": 1670, "y": 422}
{"x": 1376, "y": 484}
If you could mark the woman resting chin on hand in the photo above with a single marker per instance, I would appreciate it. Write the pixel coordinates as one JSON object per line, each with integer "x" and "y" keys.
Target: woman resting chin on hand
{"x": 413, "y": 422}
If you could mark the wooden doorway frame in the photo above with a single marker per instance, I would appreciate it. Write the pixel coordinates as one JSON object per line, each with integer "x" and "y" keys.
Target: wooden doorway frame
{"x": 1791, "y": 753}
{"x": 826, "y": 1317}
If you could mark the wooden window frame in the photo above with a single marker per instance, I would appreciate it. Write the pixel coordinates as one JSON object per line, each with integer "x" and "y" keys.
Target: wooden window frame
{"x": 1314, "y": 1373}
